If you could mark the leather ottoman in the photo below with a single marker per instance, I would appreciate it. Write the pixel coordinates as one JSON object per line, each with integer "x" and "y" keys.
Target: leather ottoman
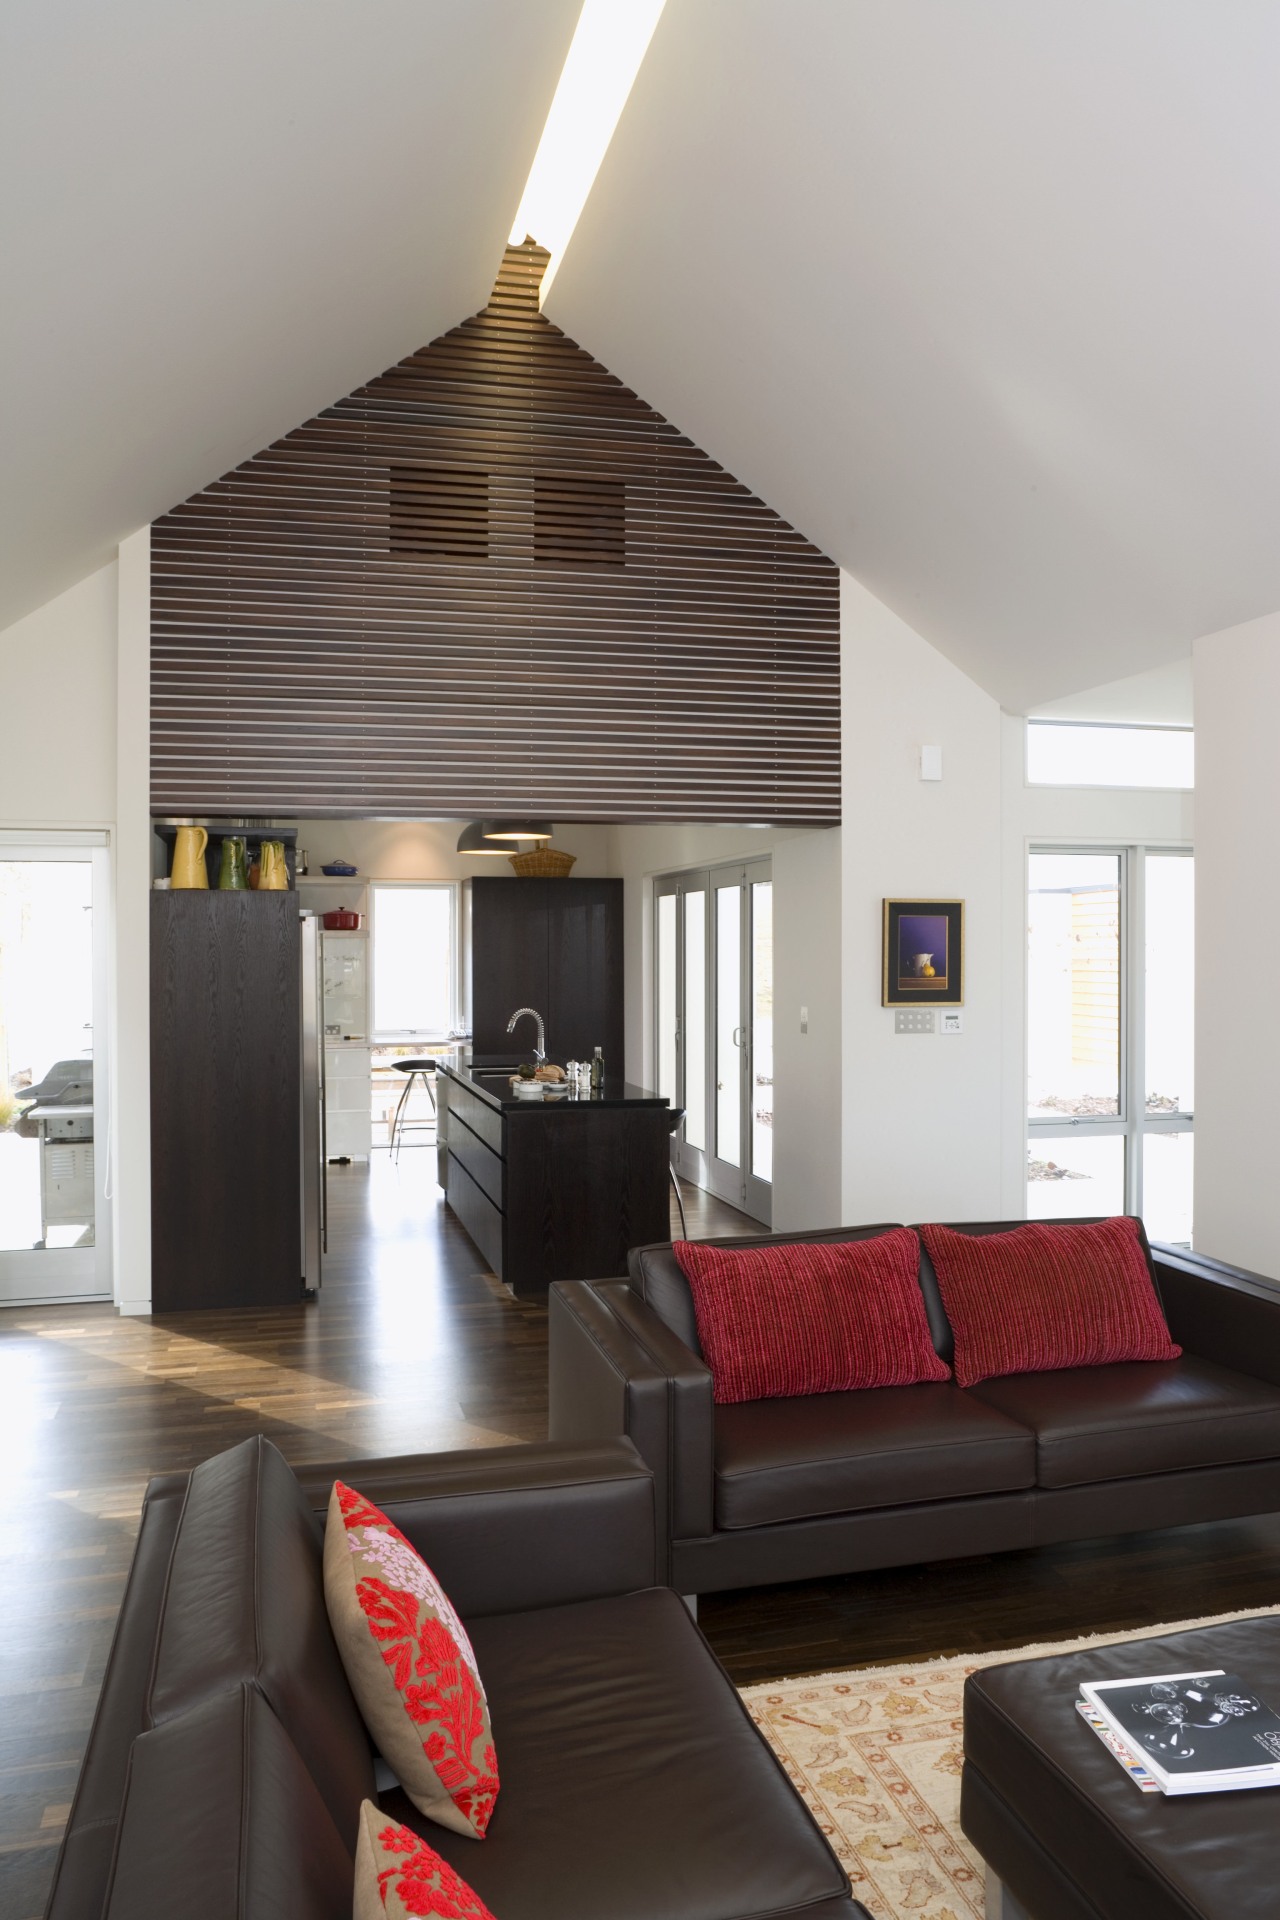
{"x": 1062, "y": 1826}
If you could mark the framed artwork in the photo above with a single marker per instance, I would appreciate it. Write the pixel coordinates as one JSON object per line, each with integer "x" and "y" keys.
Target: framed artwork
{"x": 923, "y": 957}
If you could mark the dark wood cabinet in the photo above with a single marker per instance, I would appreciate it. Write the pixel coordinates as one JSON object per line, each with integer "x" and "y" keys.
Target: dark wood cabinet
{"x": 551, "y": 944}
{"x": 554, "y": 1192}
{"x": 225, "y": 1115}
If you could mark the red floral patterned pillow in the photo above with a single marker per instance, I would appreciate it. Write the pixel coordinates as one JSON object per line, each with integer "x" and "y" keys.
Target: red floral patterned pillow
{"x": 400, "y": 1875}
{"x": 410, "y": 1665}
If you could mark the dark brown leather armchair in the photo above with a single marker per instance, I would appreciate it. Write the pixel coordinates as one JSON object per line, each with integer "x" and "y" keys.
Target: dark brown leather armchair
{"x": 796, "y": 1489}
{"x": 227, "y": 1761}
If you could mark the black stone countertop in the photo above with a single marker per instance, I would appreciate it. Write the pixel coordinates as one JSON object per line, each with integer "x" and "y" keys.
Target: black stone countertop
{"x": 490, "y": 1079}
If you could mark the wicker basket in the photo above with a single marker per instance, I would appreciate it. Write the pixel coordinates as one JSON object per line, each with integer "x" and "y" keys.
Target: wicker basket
{"x": 542, "y": 863}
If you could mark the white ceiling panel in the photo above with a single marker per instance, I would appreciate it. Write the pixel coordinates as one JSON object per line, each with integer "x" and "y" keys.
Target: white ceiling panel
{"x": 984, "y": 295}
{"x": 1162, "y": 696}
{"x": 218, "y": 218}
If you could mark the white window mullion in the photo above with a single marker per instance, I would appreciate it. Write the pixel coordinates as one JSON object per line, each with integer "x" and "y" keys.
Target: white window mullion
{"x": 1132, "y": 1122}
{"x": 1133, "y": 1025}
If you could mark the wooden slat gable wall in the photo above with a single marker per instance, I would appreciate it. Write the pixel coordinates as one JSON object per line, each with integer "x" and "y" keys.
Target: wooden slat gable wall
{"x": 333, "y": 635}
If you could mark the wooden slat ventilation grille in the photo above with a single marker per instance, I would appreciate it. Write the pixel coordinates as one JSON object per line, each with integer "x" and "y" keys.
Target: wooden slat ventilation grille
{"x": 492, "y": 581}
{"x": 442, "y": 511}
{"x": 579, "y": 523}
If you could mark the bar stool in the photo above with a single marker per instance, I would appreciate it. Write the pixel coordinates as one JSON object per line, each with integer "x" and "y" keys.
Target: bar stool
{"x": 675, "y": 1120}
{"x": 426, "y": 1066}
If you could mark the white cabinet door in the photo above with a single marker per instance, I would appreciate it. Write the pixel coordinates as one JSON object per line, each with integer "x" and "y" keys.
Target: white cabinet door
{"x": 347, "y": 1103}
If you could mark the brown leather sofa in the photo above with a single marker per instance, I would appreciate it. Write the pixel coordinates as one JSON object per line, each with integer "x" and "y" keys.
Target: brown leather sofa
{"x": 795, "y": 1489}
{"x": 227, "y": 1761}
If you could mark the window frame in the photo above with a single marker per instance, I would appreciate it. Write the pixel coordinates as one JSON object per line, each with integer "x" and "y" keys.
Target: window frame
{"x": 738, "y": 1181}
{"x": 401, "y": 1036}
{"x": 1102, "y": 726}
{"x": 51, "y": 1276}
{"x": 1133, "y": 1123}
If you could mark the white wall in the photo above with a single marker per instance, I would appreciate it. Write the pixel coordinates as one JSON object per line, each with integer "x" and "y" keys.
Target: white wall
{"x": 923, "y": 1120}
{"x": 806, "y": 1066}
{"x": 131, "y": 997}
{"x": 58, "y": 710}
{"x": 428, "y": 849}
{"x": 1237, "y": 701}
{"x": 1160, "y": 697}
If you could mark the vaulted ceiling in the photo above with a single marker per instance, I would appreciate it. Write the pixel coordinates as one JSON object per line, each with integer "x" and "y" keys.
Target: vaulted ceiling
{"x": 982, "y": 295}
{"x": 216, "y": 219}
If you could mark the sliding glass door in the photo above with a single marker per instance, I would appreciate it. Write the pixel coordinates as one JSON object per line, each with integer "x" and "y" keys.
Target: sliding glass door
{"x": 713, "y": 971}
{"x": 680, "y": 1013}
{"x": 54, "y": 1238}
{"x": 1110, "y": 1029}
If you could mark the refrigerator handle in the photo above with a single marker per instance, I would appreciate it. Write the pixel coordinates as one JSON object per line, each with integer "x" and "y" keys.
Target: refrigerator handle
{"x": 313, "y": 1223}
{"x": 324, "y": 1134}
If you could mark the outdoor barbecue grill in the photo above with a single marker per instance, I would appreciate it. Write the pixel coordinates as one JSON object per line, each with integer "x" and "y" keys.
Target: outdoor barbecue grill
{"x": 61, "y": 1117}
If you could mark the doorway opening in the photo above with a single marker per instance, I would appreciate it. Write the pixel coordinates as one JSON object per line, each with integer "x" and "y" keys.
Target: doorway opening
{"x": 392, "y": 995}
{"x": 713, "y": 1027}
{"x": 54, "y": 1209}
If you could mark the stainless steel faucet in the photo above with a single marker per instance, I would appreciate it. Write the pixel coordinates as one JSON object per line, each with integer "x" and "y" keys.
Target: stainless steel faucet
{"x": 540, "y": 1050}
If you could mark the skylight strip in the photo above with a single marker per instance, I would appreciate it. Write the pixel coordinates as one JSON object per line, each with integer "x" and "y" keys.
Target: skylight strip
{"x": 609, "y": 43}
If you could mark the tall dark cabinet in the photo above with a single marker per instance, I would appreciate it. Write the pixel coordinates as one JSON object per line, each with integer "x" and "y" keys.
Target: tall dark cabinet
{"x": 555, "y": 945}
{"x": 225, "y": 1113}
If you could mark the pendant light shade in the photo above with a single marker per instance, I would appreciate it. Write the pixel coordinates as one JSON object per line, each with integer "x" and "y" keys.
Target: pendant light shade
{"x": 472, "y": 840}
{"x": 516, "y": 833}
{"x": 501, "y": 837}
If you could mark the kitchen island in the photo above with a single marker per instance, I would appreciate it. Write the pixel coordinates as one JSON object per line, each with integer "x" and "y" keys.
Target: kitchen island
{"x": 552, "y": 1189}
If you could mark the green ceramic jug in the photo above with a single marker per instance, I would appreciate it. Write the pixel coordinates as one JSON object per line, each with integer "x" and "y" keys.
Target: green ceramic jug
{"x": 234, "y": 874}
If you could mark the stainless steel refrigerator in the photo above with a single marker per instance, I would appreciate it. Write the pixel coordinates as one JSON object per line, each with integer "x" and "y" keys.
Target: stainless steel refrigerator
{"x": 314, "y": 1195}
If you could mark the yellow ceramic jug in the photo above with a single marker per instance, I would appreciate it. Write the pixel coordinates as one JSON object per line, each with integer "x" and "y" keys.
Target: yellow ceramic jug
{"x": 188, "y": 868}
{"x": 273, "y": 873}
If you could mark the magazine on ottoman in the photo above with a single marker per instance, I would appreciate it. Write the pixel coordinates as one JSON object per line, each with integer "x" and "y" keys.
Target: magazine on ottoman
{"x": 1204, "y": 1732}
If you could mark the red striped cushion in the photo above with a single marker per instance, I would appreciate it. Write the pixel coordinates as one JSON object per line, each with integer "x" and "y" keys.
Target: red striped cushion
{"x": 1042, "y": 1296}
{"x": 816, "y": 1316}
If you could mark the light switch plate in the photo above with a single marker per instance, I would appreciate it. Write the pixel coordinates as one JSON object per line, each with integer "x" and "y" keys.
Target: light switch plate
{"x": 913, "y": 1020}
{"x": 953, "y": 1021}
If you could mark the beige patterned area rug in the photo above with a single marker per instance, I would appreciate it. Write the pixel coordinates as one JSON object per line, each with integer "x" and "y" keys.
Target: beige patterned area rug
{"x": 876, "y": 1752}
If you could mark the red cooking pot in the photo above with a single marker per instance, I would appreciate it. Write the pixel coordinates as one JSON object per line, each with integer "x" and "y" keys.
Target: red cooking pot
{"x": 341, "y": 920}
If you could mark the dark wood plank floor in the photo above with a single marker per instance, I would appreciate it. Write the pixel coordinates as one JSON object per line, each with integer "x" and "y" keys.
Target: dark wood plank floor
{"x": 412, "y": 1346}
{"x": 995, "y": 1602}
